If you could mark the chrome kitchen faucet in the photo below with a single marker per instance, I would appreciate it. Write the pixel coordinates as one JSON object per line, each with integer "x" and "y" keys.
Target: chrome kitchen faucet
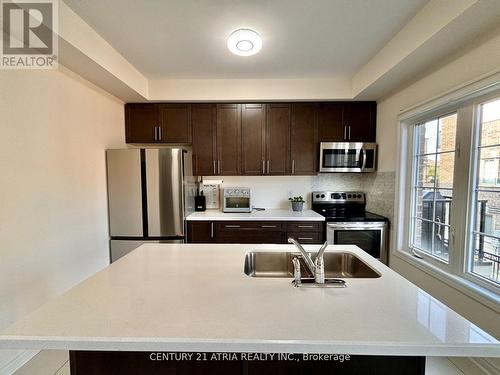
{"x": 317, "y": 268}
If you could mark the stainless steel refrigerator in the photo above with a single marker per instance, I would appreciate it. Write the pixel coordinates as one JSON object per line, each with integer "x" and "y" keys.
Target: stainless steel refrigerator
{"x": 150, "y": 191}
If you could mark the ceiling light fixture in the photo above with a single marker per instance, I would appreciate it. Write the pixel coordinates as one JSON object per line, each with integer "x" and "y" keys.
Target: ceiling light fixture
{"x": 244, "y": 42}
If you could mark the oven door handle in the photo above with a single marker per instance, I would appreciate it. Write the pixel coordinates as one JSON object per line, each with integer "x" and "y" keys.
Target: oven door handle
{"x": 357, "y": 227}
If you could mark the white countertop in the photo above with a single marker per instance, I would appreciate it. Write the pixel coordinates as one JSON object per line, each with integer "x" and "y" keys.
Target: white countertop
{"x": 175, "y": 297}
{"x": 278, "y": 215}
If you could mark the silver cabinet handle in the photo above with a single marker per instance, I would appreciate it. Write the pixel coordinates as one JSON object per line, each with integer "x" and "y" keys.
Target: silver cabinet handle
{"x": 349, "y": 132}
{"x": 212, "y": 229}
{"x": 268, "y": 166}
{"x": 268, "y": 226}
{"x": 263, "y": 167}
{"x": 156, "y": 131}
{"x": 232, "y": 226}
{"x": 215, "y": 172}
{"x": 293, "y": 166}
{"x": 305, "y": 238}
{"x": 304, "y": 226}
{"x": 160, "y": 133}
{"x": 218, "y": 166}
{"x": 345, "y": 132}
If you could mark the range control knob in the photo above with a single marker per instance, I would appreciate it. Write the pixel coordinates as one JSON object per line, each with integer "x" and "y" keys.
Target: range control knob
{"x": 359, "y": 195}
{"x": 349, "y": 196}
{"x": 317, "y": 195}
{"x": 322, "y": 195}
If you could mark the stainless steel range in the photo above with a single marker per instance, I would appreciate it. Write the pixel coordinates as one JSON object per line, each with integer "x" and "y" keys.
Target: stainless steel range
{"x": 348, "y": 223}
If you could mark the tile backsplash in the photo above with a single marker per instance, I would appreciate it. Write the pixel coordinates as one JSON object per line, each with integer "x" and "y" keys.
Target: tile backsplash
{"x": 272, "y": 192}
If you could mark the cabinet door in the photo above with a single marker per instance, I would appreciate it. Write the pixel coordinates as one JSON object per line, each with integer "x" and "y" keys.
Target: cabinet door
{"x": 203, "y": 122}
{"x": 278, "y": 138}
{"x": 253, "y": 134}
{"x": 330, "y": 124}
{"x": 200, "y": 232}
{"x": 175, "y": 123}
{"x": 229, "y": 139}
{"x": 360, "y": 119}
{"x": 304, "y": 135}
{"x": 141, "y": 123}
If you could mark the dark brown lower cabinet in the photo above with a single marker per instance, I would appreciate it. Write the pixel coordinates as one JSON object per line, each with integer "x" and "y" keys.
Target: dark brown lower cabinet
{"x": 274, "y": 232}
{"x": 200, "y": 232}
{"x": 227, "y": 363}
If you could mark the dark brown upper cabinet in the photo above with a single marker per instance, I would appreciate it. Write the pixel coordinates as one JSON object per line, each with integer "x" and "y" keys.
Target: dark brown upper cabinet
{"x": 265, "y": 139}
{"x": 141, "y": 123}
{"x": 175, "y": 123}
{"x": 158, "y": 123}
{"x": 228, "y": 139}
{"x": 253, "y": 139}
{"x": 304, "y": 139}
{"x": 278, "y": 122}
{"x": 347, "y": 122}
{"x": 204, "y": 126}
{"x": 330, "y": 122}
{"x": 360, "y": 121}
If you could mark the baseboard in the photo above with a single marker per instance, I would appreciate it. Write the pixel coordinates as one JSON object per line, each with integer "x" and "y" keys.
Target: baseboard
{"x": 17, "y": 362}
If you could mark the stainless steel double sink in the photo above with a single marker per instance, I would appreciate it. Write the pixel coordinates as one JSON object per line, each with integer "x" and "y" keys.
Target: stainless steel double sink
{"x": 279, "y": 265}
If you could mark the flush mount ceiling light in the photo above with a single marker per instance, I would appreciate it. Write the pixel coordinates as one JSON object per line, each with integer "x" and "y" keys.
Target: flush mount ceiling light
{"x": 244, "y": 42}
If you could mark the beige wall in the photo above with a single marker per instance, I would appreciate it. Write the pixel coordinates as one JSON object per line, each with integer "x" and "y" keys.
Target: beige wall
{"x": 53, "y": 212}
{"x": 480, "y": 59}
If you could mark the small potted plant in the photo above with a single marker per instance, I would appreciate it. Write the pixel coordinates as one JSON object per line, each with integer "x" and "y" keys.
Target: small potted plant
{"x": 297, "y": 203}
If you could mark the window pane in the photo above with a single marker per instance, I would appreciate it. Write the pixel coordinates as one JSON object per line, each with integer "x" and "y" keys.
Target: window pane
{"x": 490, "y": 123}
{"x": 447, "y": 132}
{"x": 443, "y": 202}
{"x": 486, "y": 259}
{"x": 488, "y": 213}
{"x": 422, "y": 236}
{"x": 489, "y": 173}
{"x": 484, "y": 256}
{"x": 444, "y": 170}
{"x": 426, "y": 166}
{"x": 441, "y": 240}
{"x": 427, "y": 137}
{"x": 423, "y": 206}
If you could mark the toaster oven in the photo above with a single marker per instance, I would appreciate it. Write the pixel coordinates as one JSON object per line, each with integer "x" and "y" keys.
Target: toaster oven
{"x": 237, "y": 199}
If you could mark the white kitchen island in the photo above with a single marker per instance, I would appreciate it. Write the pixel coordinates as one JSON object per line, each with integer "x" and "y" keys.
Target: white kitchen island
{"x": 196, "y": 298}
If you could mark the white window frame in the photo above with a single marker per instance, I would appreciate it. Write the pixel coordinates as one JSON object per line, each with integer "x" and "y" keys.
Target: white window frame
{"x": 464, "y": 100}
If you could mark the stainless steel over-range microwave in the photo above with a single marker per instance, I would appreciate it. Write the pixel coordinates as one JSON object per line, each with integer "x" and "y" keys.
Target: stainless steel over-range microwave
{"x": 348, "y": 157}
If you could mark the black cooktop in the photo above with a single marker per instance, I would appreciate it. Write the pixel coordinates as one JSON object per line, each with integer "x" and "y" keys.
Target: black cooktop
{"x": 343, "y": 207}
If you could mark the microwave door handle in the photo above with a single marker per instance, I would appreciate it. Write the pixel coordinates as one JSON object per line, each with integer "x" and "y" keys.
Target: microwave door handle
{"x": 363, "y": 153}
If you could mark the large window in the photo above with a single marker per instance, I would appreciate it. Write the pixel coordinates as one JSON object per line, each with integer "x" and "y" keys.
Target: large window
{"x": 433, "y": 185}
{"x": 484, "y": 247}
{"x": 451, "y": 215}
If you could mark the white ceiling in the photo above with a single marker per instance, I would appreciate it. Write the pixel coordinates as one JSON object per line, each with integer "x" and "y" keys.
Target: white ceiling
{"x": 302, "y": 38}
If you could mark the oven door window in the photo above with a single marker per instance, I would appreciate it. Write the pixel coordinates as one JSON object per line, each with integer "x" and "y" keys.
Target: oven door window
{"x": 368, "y": 240}
{"x": 336, "y": 158}
{"x": 237, "y": 202}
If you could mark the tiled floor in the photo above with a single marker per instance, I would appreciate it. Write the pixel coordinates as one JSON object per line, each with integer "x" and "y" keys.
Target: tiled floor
{"x": 54, "y": 362}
